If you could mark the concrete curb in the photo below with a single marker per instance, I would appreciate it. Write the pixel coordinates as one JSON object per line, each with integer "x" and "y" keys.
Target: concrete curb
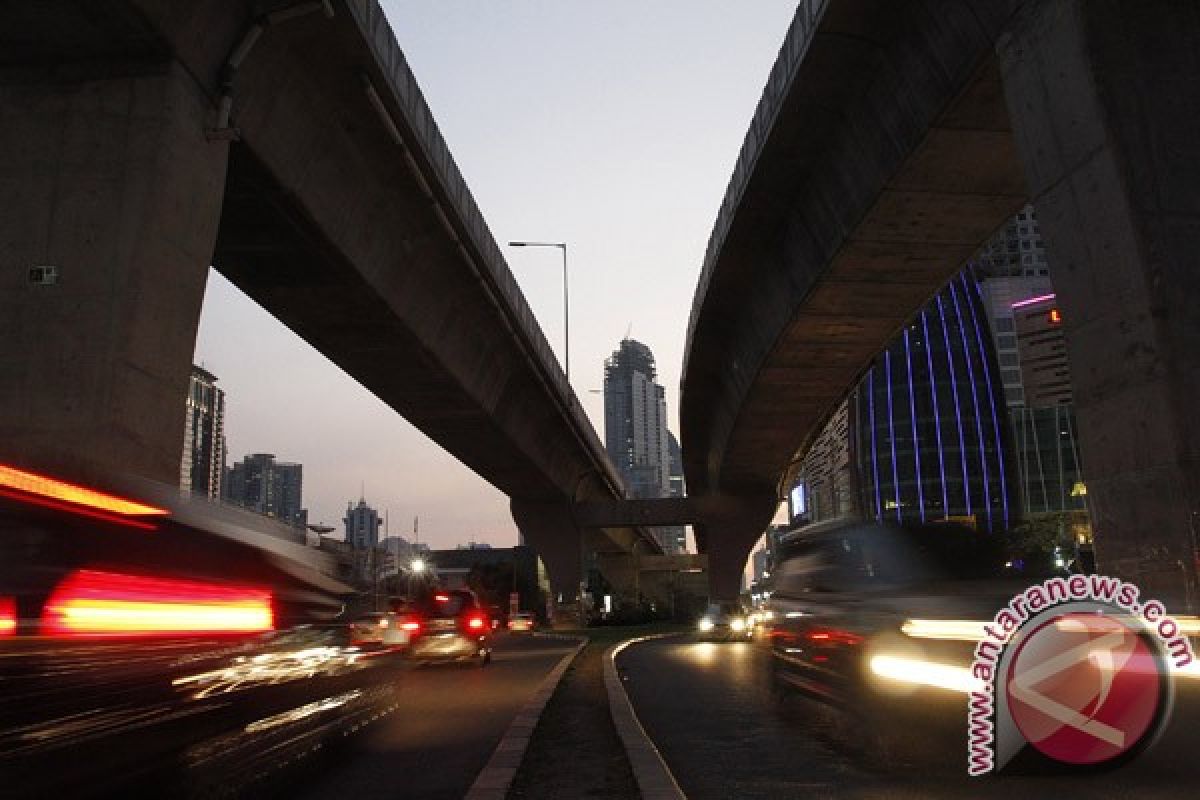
{"x": 494, "y": 780}
{"x": 654, "y": 778}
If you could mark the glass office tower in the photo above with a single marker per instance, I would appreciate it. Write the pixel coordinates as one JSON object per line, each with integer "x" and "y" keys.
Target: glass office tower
{"x": 931, "y": 428}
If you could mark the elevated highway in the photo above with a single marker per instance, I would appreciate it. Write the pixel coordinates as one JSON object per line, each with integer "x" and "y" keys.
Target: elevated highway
{"x": 288, "y": 145}
{"x": 891, "y": 140}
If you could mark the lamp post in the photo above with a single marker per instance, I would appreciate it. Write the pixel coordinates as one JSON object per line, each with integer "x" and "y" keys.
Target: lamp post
{"x": 637, "y": 574}
{"x": 415, "y": 568}
{"x": 566, "y": 302}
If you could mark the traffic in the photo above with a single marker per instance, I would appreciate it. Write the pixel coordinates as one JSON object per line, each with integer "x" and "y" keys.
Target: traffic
{"x": 191, "y": 648}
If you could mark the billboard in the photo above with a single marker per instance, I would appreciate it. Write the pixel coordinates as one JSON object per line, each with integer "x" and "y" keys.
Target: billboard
{"x": 797, "y": 505}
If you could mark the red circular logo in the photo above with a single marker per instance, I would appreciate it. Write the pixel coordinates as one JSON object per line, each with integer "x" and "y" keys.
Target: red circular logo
{"x": 1084, "y": 688}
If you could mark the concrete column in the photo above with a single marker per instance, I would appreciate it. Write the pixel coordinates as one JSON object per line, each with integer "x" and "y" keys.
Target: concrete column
{"x": 551, "y": 532}
{"x": 618, "y": 569}
{"x": 1105, "y": 101}
{"x": 113, "y": 184}
{"x": 728, "y": 545}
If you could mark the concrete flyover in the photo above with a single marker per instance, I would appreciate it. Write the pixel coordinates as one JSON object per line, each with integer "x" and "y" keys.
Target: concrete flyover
{"x": 891, "y": 140}
{"x": 288, "y": 145}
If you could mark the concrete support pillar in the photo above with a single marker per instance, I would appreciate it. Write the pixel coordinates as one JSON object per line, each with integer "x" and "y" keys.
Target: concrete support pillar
{"x": 619, "y": 570}
{"x": 551, "y": 532}
{"x": 1105, "y": 101}
{"x": 729, "y": 546}
{"x": 113, "y": 184}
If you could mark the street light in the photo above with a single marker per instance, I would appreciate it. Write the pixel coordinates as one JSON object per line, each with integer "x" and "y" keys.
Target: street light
{"x": 415, "y": 568}
{"x": 566, "y": 302}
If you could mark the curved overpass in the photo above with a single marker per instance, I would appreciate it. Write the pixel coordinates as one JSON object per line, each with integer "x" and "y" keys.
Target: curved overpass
{"x": 878, "y": 159}
{"x": 881, "y": 155}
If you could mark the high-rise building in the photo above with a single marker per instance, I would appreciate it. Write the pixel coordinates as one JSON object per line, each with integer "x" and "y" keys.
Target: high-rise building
{"x": 362, "y": 533}
{"x": 1043, "y": 352}
{"x": 1010, "y": 268}
{"x": 362, "y": 525}
{"x": 967, "y": 413}
{"x": 1016, "y": 250}
{"x": 674, "y": 537}
{"x": 1027, "y": 330}
{"x": 929, "y": 419}
{"x": 635, "y": 426}
{"x": 635, "y": 419}
{"x": 1048, "y": 463}
{"x": 270, "y": 487}
{"x": 203, "y": 462}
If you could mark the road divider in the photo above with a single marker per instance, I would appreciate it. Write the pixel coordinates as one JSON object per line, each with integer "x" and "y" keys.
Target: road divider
{"x": 494, "y": 780}
{"x": 654, "y": 778}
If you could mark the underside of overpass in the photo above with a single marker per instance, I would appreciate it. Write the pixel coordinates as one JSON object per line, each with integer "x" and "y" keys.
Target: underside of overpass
{"x": 288, "y": 145}
{"x": 892, "y": 139}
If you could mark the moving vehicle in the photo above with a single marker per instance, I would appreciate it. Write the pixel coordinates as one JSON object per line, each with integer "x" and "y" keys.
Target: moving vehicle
{"x": 521, "y": 621}
{"x": 882, "y": 620}
{"x": 188, "y": 647}
{"x": 725, "y": 622}
{"x": 450, "y": 625}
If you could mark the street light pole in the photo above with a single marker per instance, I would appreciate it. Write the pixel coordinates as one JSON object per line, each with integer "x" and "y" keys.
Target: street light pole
{"x": 566, "y": 301}
{"x": 637, "y": 593}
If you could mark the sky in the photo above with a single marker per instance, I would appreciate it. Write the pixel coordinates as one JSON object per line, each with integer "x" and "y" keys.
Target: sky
{"x": 612, "y": 126}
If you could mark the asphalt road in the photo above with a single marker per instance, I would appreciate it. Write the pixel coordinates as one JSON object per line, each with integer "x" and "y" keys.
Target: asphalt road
{"x": 725, "y": 732}
{"x": 447, "y": 722}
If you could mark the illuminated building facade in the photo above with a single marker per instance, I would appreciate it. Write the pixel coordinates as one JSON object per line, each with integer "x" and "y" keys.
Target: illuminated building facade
{"x": 931, "y": 437}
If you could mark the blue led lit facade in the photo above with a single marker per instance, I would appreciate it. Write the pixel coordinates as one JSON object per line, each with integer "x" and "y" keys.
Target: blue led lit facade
{"x": 932, "y": 430}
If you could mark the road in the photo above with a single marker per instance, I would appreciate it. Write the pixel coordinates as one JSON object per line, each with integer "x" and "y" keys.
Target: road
{"x": 291, "y": 715}
{"x": 713, "y": 713}
{"x": 448, "y": 721}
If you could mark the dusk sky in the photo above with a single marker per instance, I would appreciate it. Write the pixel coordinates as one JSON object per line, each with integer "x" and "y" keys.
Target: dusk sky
{"x": 611, "y": 126}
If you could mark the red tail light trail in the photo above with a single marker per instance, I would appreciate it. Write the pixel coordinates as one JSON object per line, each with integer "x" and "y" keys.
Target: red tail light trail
{"x": 476, "y": 623}
{"x": 8, "y": 616}
{"x": 90, "y": 602}
{"x": 63, "y": 496}
{"x": 833, "y": 636}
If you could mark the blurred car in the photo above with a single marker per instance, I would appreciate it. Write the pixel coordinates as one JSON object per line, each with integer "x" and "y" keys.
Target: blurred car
{"x": 450, "y": 625}
{"x": 521, "y": 621}
{"x": 380, "y": 629}
{"x": 189, "y": 647}
{"x": 882, "y": 620}
{"x": 725, "y": 622}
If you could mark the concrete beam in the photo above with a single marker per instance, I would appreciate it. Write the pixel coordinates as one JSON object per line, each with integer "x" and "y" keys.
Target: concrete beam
{"x": 661, "y": 511}
{"x": 680, "y": 562}
{"x": 348, "y": 220}
{"x": 878, "y": 159}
